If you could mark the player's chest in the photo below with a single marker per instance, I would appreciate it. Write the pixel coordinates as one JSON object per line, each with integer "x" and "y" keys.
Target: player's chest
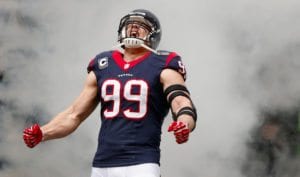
{"x": 140, "y": 74}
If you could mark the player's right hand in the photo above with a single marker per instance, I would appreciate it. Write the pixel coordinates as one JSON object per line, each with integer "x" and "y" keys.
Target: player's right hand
{"x": 32, "y": 135}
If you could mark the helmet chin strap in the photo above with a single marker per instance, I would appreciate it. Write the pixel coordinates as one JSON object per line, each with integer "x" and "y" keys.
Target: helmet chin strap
{"x": 135, "y": 43}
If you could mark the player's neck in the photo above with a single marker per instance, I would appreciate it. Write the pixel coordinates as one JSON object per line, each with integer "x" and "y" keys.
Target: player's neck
{"x": 131, "y": 54}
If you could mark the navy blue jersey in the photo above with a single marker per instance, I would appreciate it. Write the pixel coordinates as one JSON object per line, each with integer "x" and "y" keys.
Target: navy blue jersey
{"x": 133, "y": 106}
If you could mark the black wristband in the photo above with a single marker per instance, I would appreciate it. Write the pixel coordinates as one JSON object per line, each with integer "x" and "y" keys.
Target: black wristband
{"x": 187, "y": 110}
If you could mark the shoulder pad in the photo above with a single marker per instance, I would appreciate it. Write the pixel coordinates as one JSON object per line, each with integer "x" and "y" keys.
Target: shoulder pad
{"x": 100, "y": 61}
{"x": 163, "y": 52}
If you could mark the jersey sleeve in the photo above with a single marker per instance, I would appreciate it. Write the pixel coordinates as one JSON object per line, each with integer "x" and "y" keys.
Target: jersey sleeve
{"x": 91, "y": 65}
{"x": 174, "y": 62}
{"x": 100, "y": 61}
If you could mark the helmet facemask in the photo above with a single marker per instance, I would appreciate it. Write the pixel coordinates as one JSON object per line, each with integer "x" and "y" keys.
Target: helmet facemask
{"x": 128, "y": 39}
{"x": 130, "y": 33}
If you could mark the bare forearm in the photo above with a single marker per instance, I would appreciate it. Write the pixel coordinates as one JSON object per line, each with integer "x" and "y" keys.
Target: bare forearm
{"x": 62, "y": 125}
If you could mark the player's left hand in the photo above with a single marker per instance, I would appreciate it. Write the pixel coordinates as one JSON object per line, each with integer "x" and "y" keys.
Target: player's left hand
{"x": 181, "y": 131}
{"x": 32, "y": 135}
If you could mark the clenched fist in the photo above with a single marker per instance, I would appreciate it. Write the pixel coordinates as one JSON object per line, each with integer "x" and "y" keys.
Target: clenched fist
{"x": 32, "y": 135}
{"x": 181, "y": 131}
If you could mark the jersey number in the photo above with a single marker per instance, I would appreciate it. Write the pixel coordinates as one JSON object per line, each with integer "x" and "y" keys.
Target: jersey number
{"x": 114, "y": 95}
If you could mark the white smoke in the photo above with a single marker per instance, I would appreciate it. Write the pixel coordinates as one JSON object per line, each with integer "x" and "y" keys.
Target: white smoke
{"x": 240, "y": 55}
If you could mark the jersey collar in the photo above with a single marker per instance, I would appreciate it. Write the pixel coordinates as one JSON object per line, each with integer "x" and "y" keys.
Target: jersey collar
{"x": 118, "y": 58}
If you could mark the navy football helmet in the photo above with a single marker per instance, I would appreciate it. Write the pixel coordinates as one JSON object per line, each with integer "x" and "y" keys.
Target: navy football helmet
{"x": 148, "y": 20}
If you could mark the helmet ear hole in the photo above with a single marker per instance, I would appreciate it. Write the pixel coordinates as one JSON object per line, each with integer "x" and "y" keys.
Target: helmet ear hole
{"x": 152, "y": 39}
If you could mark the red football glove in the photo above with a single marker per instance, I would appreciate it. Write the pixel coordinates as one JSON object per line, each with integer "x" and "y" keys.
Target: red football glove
{"x": 32, "y": 135}
{"x": 181, "y": 131}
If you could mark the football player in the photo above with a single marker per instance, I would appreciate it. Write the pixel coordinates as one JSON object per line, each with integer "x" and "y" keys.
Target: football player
{"x": 136, "y": 86}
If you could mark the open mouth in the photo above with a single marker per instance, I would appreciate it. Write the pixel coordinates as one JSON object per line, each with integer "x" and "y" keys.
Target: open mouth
{"x": 134, "y": 34}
